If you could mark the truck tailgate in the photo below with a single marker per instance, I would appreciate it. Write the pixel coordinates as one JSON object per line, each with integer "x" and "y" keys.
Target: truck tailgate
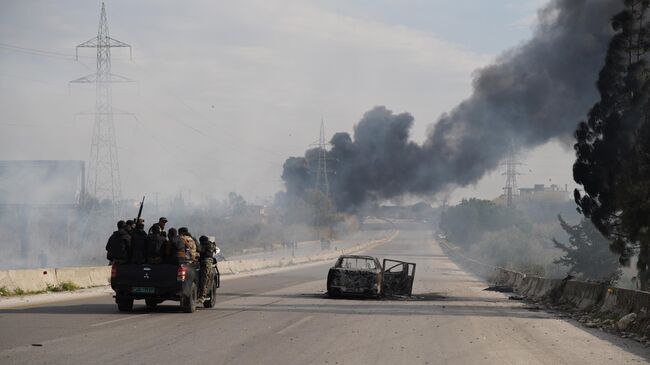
{"x": 156, "y": 275}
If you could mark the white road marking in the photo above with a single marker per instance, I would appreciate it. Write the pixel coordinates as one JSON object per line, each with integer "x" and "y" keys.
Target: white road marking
{"x": 294, "y": 325}
{"x": 118, "y": 320}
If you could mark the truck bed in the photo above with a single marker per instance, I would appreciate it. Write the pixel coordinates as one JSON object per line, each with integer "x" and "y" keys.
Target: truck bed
{"x": 142, "y": 281}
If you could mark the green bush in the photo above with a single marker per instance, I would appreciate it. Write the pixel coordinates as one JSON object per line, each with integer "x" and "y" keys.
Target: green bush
{"x": 68, "y": 286}
{"x": 587, "y": 253}
{"x": 4, "y": 292}
{"x": 64, "y": 286}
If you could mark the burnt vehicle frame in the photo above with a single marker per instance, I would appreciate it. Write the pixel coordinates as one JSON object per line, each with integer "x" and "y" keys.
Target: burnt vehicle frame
{"x": 365, "y": 276}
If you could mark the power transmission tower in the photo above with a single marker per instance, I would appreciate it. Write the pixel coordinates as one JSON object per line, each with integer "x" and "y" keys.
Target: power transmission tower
{"x": 322, "y": 181}
{"x": 103, "y": 180}
{"x": 510, "y": 190}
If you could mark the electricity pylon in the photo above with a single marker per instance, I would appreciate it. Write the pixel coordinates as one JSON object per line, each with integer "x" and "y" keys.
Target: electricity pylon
{"x": 510, "y": 190}
{"x": 322, "y": 181}
{"x": 103, "y": 180}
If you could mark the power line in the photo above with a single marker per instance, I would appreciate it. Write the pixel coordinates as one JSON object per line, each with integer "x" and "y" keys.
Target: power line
{"x": 37, "y": 52}
{"x": 46, "y": 53}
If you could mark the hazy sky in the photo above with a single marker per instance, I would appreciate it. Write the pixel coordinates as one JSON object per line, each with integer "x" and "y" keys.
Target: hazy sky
{"x": 227, "y": 91}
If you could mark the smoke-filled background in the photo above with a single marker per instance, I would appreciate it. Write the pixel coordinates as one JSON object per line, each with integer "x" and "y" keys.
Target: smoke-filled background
{"x": 227, "y": 90}
{"x": 533, "y": 93}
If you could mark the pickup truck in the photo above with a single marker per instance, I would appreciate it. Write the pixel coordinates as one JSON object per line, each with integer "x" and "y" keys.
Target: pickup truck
{"x": 156, "y": 283}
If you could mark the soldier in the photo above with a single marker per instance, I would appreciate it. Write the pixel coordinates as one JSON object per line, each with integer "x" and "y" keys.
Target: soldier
{"x": 171, "y": 247}
{"x": 161, "y": 222}
{"x": 207, "y": 250}
{"x": 190, "y": 243}
{"x": 118, "y": 245}
{"x": 155, "y": 242}
{"x": 138, "y": 244}
{"x": 161, "y": 226}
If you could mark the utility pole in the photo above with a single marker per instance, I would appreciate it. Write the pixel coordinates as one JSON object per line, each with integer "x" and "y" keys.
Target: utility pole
{"x": 103, "y": 180}
{"x": 510, "y": 190}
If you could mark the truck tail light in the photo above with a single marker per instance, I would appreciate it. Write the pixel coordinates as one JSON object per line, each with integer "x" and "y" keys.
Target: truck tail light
{"x": 180, "y": 274}
{"x": 114, "y": 271}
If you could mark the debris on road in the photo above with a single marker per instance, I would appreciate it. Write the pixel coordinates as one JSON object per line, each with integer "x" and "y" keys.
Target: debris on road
{"x": 500, "y": 289}
{"x": 533, "y": 308}
{"x": 426, "y": 297}
{"x": 625, "y": 322}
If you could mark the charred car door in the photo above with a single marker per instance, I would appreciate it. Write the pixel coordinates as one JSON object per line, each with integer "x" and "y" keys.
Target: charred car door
{"x": 397, "y": 278}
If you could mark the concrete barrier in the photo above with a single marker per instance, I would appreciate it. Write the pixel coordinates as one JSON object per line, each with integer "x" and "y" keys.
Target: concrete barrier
{"x": 624, "y": 301}
{"x": 28, "y": 280}
{"x": 582, "y": 295}
{"x": 34, "y": 280}
{"x": 85, "y": 277}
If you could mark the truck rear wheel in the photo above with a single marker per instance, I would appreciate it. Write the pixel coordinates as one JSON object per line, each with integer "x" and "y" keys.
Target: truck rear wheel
{"x": 212, "y": 301}
{"x": 188, "y": 303}
{"x": 124, "y": 304}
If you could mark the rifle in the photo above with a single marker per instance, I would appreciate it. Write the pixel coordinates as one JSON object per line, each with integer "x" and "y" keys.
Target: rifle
{"x": 140, "y": 211}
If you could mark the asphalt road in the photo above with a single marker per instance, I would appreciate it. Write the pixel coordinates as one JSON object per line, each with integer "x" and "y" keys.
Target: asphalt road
{"x": 284, "y": 318}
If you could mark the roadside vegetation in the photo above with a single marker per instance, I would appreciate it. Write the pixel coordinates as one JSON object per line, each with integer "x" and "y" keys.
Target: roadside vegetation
{"x": 529, "y": 239}
{"x": 587, "y": 254}
{"x": 239, "y": 225}
{"x": 61, "y": 287}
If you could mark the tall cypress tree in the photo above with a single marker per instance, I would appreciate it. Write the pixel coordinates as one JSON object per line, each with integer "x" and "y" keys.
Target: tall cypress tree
{"x": 608, "y": 144}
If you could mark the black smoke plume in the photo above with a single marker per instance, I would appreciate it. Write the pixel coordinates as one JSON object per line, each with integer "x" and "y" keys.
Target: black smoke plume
{"x": 532, "y": 94}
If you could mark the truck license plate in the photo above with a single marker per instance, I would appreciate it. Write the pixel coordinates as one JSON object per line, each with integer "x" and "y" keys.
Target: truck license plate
{"x": 143, "y": 290}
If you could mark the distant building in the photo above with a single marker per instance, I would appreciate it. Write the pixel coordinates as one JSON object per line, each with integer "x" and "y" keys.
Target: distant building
{"x": 539, "y": 193}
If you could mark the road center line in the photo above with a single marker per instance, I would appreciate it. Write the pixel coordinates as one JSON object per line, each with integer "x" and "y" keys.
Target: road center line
{"x": 294, "y": 325}
{"x": 118, "y": 320}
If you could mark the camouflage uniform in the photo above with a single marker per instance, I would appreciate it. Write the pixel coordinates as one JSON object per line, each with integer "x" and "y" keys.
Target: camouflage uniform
{"x": 190, "y": 248}
{"x": 207, "y": 250}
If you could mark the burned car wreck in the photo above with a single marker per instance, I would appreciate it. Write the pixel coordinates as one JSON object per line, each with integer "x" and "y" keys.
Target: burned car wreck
{"x": 356, "y": 275}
